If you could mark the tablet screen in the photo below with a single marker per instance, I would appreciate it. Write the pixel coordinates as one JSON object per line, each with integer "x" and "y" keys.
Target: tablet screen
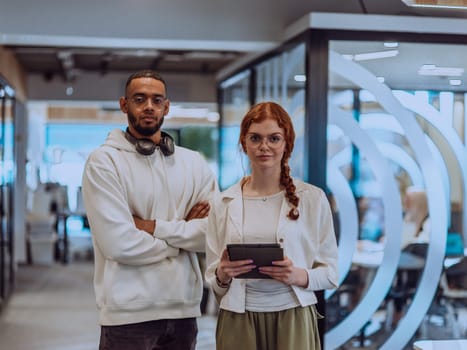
{"x": 262, "y": 254}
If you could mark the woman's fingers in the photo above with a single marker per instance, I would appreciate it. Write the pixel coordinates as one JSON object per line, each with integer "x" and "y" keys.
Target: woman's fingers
{"x": 234, "y": 268}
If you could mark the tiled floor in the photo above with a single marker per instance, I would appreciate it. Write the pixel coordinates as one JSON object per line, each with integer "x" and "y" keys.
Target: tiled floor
{"x": 53, "y": 308}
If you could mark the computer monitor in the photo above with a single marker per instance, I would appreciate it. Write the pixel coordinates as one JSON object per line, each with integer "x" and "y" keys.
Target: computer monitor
{"x": 454, "y": 244}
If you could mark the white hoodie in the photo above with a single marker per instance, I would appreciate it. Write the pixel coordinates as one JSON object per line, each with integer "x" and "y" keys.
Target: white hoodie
{"x": 139, "y": 277}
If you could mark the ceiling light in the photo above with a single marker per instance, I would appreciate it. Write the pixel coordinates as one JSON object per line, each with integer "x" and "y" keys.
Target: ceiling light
{"x": 433, "y": 70}
{"x": 448, "y": 4}
{"x": 375, "y": 55}
{"x": 428, "y": 66}
{"x": 372, "y": 55}
{"x": 136, "y": 53}
{"x": 174, "y": 57}
{"x": 391, "y": 44}
{"x": 300, "y": 77}
{"x": 209, "y": 55}
{"x": 380, "y": 79}
{"x": 455, "y": 82}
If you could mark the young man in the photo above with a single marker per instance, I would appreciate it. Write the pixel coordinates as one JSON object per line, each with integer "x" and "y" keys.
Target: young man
{"x": 147, "y": 201}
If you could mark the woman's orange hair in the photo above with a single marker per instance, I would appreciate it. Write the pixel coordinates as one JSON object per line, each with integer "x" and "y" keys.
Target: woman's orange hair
{"x": 272, "y": 110}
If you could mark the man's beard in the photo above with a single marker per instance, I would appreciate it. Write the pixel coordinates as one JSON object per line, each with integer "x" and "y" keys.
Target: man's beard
{"x": 145, "y": 131}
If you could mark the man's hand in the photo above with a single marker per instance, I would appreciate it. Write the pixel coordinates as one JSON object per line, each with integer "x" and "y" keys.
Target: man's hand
{"x": 146, "y": 225}
{"x": 199, "y": 211}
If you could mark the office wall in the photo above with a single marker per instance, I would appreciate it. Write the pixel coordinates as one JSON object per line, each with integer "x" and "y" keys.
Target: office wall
{"x": 91, "y": 87}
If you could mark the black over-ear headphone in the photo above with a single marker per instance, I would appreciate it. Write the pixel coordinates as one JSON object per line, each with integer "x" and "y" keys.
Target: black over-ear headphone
{"x": 146, "y": 147}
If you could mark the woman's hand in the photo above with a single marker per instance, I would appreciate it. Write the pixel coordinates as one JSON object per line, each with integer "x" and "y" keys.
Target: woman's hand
{"x": 226, "y": 270}
{"x": 286, "y": 272}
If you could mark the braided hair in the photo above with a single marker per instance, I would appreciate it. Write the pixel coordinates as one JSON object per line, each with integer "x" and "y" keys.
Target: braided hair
{"x": 272, "y": 110}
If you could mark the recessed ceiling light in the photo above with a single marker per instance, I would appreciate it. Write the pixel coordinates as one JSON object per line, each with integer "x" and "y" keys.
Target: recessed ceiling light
{"x": 428, "y": 66}
{"x": 391, "y": 44}
{"x": 300, "y": 77}
{"x": 455, "y": 82}
{"x": 433, "y": 70}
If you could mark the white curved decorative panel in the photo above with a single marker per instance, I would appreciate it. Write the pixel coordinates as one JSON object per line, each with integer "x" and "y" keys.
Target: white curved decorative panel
{"x": 435, "y": 188}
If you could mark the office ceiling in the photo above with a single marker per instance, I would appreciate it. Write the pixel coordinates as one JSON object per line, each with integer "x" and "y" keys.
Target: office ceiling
{"x": 69, "y": 61}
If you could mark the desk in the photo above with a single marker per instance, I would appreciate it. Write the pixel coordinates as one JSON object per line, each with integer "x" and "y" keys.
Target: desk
{"x": 452, "y": 344}
{"x": 408, "y": 264}
{"x": 409, "y": 261}
{"x": 367, "y": 259}
{"x": 369, "y": 256}
{"x": 372, "y": 258}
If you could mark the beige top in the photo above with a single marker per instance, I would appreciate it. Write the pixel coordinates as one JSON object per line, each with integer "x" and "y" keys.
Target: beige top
{"x": 260, "y": 219}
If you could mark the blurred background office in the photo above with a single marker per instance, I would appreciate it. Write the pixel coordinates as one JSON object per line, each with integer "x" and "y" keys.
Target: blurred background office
{"x": 377, "y": 91}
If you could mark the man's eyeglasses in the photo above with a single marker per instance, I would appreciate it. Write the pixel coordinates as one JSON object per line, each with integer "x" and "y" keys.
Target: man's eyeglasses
{"x": 273, "y": 141}
{"x": 141, "y": 100}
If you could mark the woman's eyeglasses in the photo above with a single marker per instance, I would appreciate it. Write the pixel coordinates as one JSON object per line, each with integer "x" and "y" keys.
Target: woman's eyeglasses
{"x": 273, "y": 141}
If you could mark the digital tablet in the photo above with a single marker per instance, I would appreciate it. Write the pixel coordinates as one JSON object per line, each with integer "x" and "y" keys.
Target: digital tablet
{"x": 262, "y": 254}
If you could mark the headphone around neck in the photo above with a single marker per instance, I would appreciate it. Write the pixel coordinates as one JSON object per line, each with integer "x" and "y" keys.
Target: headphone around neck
{"x": 146, "y": 147}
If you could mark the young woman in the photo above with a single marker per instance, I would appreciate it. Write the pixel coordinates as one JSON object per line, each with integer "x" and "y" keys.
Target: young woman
{"x": 269, "y": 206}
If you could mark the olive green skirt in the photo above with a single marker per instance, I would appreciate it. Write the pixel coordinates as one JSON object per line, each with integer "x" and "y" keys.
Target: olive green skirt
{"x": 292, "y": 329}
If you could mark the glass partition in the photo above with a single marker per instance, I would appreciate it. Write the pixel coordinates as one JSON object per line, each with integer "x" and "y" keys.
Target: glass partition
{"x": 235, "y": 95}
{"x": 386, "y": 145}
{"x": 280, "y": 78}
{"x": 390, "y": 137}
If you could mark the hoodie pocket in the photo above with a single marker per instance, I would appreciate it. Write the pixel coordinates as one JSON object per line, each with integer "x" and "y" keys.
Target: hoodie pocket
{"x": 173, "y": 281}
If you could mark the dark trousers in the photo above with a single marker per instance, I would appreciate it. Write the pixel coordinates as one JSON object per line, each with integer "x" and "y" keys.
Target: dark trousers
{"x": 178, "y": 334}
